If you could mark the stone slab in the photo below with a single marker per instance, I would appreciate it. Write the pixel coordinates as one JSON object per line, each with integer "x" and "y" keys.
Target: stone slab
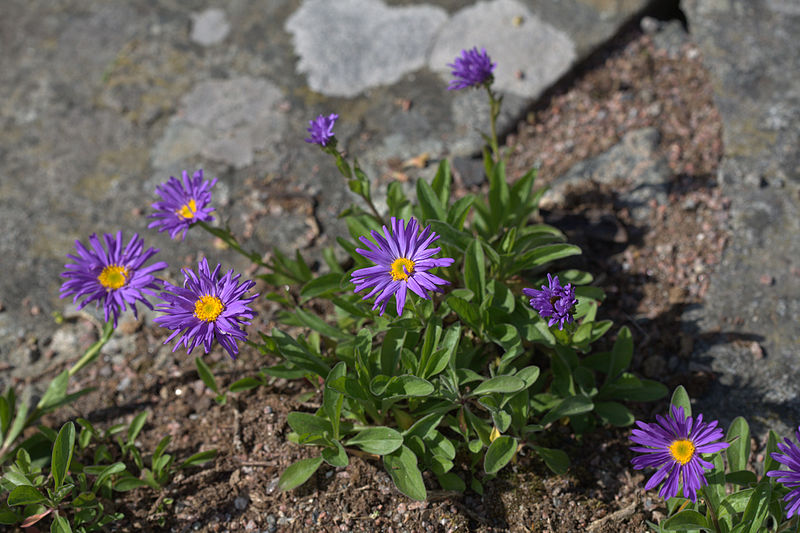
{"x": 753, "y": 54}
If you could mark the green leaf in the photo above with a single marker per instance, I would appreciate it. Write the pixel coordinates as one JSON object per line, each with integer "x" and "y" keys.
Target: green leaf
{"x": 106, "y": 473}
{"x": 467, "y": 311}
{"x": 503, "y": 384}
{"x": 298, "y": 354}
{"x": 757, "y": 508}
{"x": 332, "y": 399}
{"x": 55, "y": 393}
{"x": 298, "y": 473}
{"x": 475, "y": 270}
{"x": 772, "y": 446}
{"x": 739, "y": 450}
{"x": 62, "y": 453}
{"x": 457, "y": 213}
{"x": 556, "y": 460}
{"x": 542, "y": 255}
{"x": 621, "y": 354}
{"x": 244, "y": 384}
{"x": 199, "y": 458}
{"x": 685, "y": 520}
{"x": 441, "y": 182}
{"x": 136, "y": 426}
{"x": 433, "y": 331}
{"x": 314, "y": 322}
{"x": 450, "y": 481}
{"x": 571, "y": 406}
{"x": 402, "y": 467}
{"x": 499, "y": 195}
{"x": 451, "y": 236}
{"x": 614, "y": 413}
{"x": 206, "y": 375}
{"x": 8, "y": 517}
{"x": 680, "y": 398}
{"x": 5, "y": 416}
{"x": 379, "y": 440}
{"x": 335, "y": 455}
{"x": 404, "y": 386}
{"x": 742, "y": 477}
{"x": 424, "y": 426}
{"x": 429, "y": 203}
{"x": 499, "y": 453}
{"x": 446, "y": 352}
{"x": 16, "y": 478}
{"x": 24, "y": 495}
{"x": 18, "y": 424}
{"x": 60, "y": 525}
{"x": 308, "y": 424}
{"x": 128, "y": 483}
{"x": 324, "y": 284}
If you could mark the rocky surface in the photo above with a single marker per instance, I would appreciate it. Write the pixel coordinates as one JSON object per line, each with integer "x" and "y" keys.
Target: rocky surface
{"x": 747, "y": 329}
{"x": 100, "y": 102}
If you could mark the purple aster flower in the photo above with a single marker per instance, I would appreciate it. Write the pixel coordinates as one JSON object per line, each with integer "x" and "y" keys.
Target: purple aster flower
{"x": 472, "y": 69}
{"x": 553, "y": 301}
{"x": 790, "y": 478}
{"x": 111, "y": 275}
{"x": 673, "y": 445}
{"x": 402, "y": 260}
{"x": 182, "y": 204}
{"x": 321, "y": 129}
{"x": 207, "y": 307}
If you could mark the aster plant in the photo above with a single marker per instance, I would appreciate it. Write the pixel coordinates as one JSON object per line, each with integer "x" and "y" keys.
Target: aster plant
{"x": 703, "y": 491}
{"x": 208, "y": 307}
{"x": 455, "y": 373}
{"x": 183, "y": 203}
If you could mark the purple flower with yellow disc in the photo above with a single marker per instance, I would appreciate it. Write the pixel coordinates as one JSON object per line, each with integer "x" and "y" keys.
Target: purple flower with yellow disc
{"x": 790, "y": 478}
{"x": 402, "y": 261}
{"x": 673, "y": 446}
{"x": 207, "y": 307}
{"x": 182, "y": 204}
{"x": 471, "y": 69}
{"x": 553, "y": 301}
{"x": 111, "y": 275}
{"x": 321, "y": 129}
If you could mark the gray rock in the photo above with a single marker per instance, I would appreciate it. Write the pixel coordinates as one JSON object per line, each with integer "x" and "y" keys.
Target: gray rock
{"x": 349, "y": 46}
{"x": 223, "y": 120}
{"x": 752, "y": 52}
{"x": 209, "y": 27}
{"x": 641, "y": 175}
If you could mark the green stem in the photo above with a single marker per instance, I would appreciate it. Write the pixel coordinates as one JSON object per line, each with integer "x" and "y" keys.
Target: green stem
{"x": 375, "y": 214}
{"x": 711, "y": 511}
{"x": 494, "y": 112}
{"x": 94, "y": 350}
{"x": 228, "y": 238}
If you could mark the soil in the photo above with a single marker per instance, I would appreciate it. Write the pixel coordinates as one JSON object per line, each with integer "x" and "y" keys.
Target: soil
{"x": 650, "y": 275}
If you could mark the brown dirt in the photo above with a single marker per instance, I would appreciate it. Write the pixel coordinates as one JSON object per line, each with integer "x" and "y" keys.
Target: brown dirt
{"x": 649, "y": 278}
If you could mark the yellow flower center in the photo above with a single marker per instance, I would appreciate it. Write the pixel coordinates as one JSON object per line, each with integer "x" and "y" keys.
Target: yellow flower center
{"x": 208, "y": 308}
{"x": 401, "y": 268}
{"x": 188, "y": 210}
{"x": 113, "y": 277}
{"x": 682, "y": 451}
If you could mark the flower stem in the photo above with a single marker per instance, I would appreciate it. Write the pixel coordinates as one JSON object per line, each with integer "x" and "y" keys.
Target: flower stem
{"x": 494, "y": 112}
{"x": 94, "y": 350}
{"x": 711, "y": 511}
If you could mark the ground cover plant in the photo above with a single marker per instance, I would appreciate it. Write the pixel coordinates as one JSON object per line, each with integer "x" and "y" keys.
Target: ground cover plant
{"x": 471, "y": 365}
